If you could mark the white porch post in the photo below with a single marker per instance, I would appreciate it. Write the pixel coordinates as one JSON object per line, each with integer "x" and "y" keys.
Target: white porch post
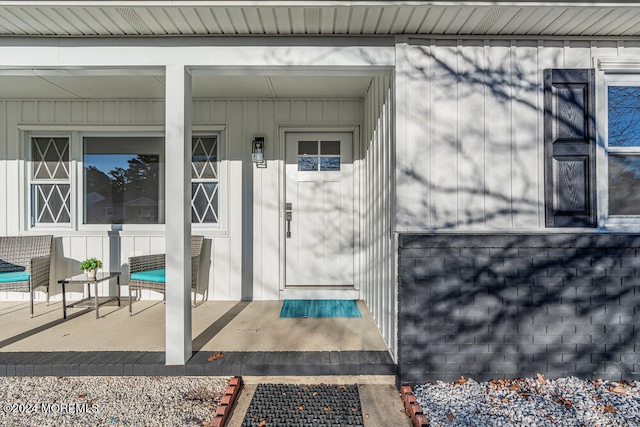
{"x": 178, "y": 214}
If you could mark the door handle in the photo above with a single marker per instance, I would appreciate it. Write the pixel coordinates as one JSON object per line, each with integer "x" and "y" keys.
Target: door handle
{"x": 289, "y": 217}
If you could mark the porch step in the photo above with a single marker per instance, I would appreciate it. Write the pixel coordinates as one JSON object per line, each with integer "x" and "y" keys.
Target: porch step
{"x": 233, "y": 363}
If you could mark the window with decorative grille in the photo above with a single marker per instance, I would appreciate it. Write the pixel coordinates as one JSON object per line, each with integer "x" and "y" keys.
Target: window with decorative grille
{"x": 50, "y": 181}
{"x": 204, "y": 180}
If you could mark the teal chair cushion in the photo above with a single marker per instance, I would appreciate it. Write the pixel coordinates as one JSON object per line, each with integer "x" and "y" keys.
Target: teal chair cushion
{"x": 157, "y": 276}
{"x": 15, "y": 276}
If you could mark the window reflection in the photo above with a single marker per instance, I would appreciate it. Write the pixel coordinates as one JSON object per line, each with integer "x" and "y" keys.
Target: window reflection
{"x": 309, "y": 148}
{"x": 122, "y": 180}
{"x": 307, "y": 163}
{"x": 624, "y": 116}
{"x": 327, "y": 160}
{"x": 624, "y": 185}
{"x": 330, "y": 163}
{"x": 330, "y": 147}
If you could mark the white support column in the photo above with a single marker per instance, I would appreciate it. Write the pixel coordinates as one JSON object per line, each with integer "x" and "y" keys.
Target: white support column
{"x": 178, "y": 215}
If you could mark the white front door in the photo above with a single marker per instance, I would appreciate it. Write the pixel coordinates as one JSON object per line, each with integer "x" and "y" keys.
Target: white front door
{"x": 319, "y": 215}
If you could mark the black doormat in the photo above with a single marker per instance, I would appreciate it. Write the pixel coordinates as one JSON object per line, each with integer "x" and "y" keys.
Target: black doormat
{"x": 291, "y": 405}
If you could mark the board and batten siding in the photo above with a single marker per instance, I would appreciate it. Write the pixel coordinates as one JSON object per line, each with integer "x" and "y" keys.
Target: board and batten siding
{"x": 470, "y": 143}
{"x": 243, "y": 258}
{"x": 378, "y": 242}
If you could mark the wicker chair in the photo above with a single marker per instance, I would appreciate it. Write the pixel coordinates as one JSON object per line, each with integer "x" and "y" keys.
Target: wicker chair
{"x": 148, "y": 271}
{"x": 25, "y": 263}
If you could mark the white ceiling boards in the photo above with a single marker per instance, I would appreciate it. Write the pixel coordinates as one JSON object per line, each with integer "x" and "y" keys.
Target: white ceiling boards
{"x": 204, "y": 86}
{"x": 199, "y": 17}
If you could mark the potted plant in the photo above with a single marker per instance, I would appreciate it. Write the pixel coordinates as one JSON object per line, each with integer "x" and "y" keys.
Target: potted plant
{"x": 91, "y": 266}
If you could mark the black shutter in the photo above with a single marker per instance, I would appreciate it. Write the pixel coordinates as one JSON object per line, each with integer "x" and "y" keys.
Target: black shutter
{"x": 570, "y": 148}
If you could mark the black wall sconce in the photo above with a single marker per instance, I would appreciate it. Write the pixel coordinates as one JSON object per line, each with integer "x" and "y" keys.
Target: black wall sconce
{"x": 257, "y": 150}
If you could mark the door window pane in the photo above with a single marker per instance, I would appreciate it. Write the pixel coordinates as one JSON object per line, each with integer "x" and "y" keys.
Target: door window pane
{"x": 325, "y": 159}
{"x": 308, "y": 148}
{"x": 624, "y": 185}
{"x": 330, "y": 147}
{"x": 307, "y": 163}
{"x": 329, "y": 163}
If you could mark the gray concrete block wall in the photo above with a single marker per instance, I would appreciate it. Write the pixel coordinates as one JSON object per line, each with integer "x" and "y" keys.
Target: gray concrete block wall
{"x": 510, "y": 306}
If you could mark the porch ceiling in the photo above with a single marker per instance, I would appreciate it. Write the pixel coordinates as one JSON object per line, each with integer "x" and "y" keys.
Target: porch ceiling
{"x": 199, "y": 17}
{"x": 204, "y": 86}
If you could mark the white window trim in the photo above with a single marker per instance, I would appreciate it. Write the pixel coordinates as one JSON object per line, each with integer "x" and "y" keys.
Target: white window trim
{"x": 619, "y": 73}
{"x": 75, "y": 133}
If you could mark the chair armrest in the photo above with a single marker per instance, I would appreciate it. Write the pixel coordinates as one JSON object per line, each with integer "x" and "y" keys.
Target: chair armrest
{"x": 40, "y": 269}
{"x": 195, "y": 266}
{"x": 146, "y": 263}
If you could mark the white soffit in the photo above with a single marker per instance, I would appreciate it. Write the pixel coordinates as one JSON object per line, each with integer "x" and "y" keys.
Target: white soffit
{"x": 204, "y": 86}
{"x": 280, "y": 87}
{"x": 86, "y": 87}
{"x": 18, "y": 87}
{"x": 207, "y": 86}
{"x": 320, "y": 87}
{"x": 83, "y": 87}
{"x": 118, "y": 18}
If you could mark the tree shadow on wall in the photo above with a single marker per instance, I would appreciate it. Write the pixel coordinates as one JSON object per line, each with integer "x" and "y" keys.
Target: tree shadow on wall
{"x": 514, "y": 305}
{"x": 499, "y": 305}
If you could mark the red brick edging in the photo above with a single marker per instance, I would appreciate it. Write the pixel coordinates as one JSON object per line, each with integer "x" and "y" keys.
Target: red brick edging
{"x": 226, "y": 403}
{"x": 418, "y": 418}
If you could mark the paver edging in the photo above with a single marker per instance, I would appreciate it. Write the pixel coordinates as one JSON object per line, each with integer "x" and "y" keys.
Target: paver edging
{"x": 226, "y": 403}
{"x": 418, "y": 418}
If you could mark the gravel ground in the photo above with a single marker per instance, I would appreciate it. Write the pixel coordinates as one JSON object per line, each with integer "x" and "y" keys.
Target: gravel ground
{"x": 109, "y": 401}
{"x": 531, "y": 402}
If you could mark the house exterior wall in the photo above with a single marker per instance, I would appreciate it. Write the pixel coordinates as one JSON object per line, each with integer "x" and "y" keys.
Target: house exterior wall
{"x": 470, "y": 129}
{"x": 378, "y": 282}
{"x": 485, "y": 290}
{"x": 243, "y": 259}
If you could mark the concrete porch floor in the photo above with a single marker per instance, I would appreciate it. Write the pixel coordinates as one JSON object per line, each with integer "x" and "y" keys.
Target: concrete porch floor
{"x": 217, "y": 326}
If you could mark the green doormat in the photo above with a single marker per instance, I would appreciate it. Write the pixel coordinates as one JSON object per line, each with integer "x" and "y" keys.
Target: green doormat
{"x": 319, "y": 308}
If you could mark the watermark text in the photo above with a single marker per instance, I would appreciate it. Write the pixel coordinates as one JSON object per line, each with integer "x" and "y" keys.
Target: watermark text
{"x": 49, "y": 408}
